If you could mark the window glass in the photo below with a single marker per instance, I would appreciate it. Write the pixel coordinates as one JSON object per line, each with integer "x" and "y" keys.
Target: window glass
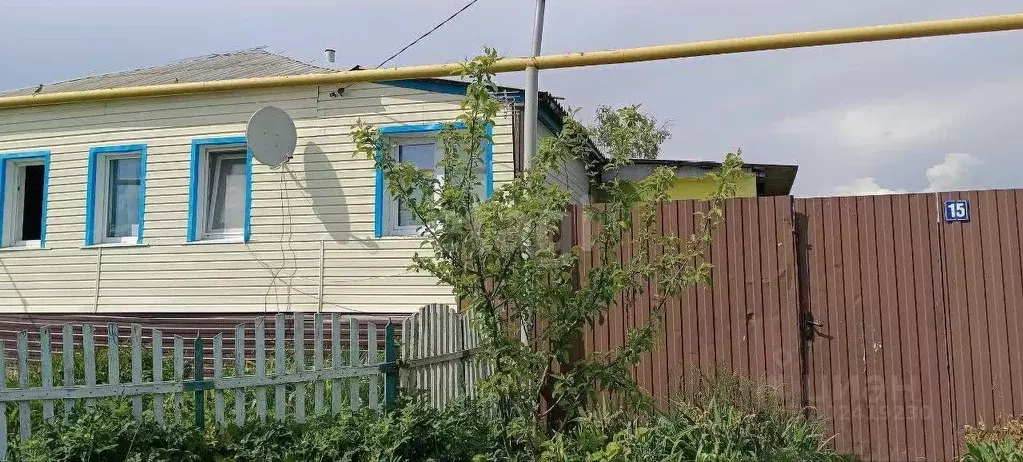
{"x": 422, "y": 156}
{"x": 226, "y": 198}
{"x": 32, "y": 202}
{"x": 123, "y": 197}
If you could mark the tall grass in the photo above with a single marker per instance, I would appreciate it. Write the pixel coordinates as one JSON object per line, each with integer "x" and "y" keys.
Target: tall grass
{"x": 729, "y": 420}
{"x": 1002, "y": 441}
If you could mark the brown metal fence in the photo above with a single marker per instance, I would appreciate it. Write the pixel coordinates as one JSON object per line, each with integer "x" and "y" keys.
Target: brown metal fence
{"x": 747, "y": 323}
{"x": 897, "y": 327}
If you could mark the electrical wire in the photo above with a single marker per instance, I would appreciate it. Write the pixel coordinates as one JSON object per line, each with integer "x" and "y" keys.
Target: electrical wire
{"x": 285, "y": 198}
{"x": 438, "y": 26}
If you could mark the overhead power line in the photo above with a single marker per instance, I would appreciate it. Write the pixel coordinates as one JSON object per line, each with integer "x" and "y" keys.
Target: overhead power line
{"x": 438, "y": 26}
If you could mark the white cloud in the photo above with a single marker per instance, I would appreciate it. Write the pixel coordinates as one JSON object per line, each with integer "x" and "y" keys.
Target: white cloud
{"x": 866, "y": 129}
{"x": 883, "y": 127}
{"x": 957, "y": 171}
{"x": 865, "y": 186}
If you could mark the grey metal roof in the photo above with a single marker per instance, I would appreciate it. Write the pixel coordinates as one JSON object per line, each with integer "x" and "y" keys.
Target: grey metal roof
{"x": 256, "y": 62}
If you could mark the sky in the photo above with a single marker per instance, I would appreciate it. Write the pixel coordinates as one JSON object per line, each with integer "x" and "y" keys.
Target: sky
{"x": 909, "y": 115}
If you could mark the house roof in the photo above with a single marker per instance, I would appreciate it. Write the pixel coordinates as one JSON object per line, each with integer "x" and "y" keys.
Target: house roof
{"x": 255, "y": 62}
{"x": 772, "y": 179}
{"x": 258, "y": 62}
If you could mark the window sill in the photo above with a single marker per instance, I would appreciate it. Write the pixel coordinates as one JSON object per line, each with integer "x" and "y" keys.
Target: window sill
{"x": 113, "y": 244}
{"x": 21, "y": 248}
{"x": 225, "y": 240}
{"x": 402, "y": 237}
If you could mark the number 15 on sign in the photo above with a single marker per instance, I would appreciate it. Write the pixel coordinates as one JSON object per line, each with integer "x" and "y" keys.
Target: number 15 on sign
{"x": 957, "y": 210}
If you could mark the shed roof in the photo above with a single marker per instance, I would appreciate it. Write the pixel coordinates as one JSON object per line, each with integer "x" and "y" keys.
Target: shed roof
{"x": 772, "y": 179}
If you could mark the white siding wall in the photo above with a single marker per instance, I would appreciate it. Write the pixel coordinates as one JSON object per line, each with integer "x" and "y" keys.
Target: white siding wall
{"x": 323, "y": 195}
{"x": 572, "y": 177}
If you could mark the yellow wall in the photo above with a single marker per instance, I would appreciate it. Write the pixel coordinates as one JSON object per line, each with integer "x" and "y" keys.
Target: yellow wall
{"x": 700, "y": 188}
{"x": 312, "y": 219}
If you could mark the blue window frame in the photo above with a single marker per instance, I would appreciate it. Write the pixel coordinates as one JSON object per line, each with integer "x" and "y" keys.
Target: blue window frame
{"x": 115, "y": 195}
{"x": 23, "y": 198}
{"x": 213, "y": 185}
{"x": 383, "y": 222}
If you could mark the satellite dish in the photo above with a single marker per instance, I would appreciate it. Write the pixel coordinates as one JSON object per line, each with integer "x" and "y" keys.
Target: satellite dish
{"x": 271, "y": 136}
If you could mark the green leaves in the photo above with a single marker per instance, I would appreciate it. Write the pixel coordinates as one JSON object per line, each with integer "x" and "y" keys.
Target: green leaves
{"x": 626, "y": 133}
{"x": 500, "y": 255}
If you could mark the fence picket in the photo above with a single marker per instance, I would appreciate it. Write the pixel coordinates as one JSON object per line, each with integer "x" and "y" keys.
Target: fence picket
{"x": 353, "y": 360}
{"x": 404, "y": 379}
{"x": 3, "y": 404}
{"x": 46, "y": 370}
{"x": 335, "y": 362}
{"x": 218, "y": 374}
{"x": 259, "y": 329}
{"x": 299, "y": 335}
{"x": 113, "y": 355}
{"x": 68, "y": 350}
{"x": 450, "y": 334}
{"x": 179, "y": 374}
{"x": 421, "y": 377}
{"x": 424, "y": 352}
{"x": 360, "y": 364}
{"x": 279, "y": 365}
{"x": 470, "y": 378}
{"x": 24, "y": 407}
{"x": 371, "y": 359}
{"x": 89, "y": 357}
{"x": 460, "y": 365}
{"x": 136, "y": 367}
{"x": 158, "y": 375}
{"x": 435, "y": 345}
{"x": 239, "y": 371}
{"x": 318, "y": 362}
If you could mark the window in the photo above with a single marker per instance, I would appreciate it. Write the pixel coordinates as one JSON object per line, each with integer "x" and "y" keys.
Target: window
{"x": 23, "y": 178}
{"x": 220, "y": 190}
{"x": 116, "y": 195}
{"x": 417, "y": 144}
{"x": 424, "y": 154}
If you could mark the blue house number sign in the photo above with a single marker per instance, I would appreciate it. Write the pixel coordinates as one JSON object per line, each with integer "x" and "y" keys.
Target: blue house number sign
{"x": 957, "y": 210}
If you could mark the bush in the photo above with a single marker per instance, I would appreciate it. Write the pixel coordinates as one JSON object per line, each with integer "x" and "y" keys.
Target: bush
{"x": 732, "y": 420}
{"x": 412, "y": 432}
{"x": 1000, "y": 442}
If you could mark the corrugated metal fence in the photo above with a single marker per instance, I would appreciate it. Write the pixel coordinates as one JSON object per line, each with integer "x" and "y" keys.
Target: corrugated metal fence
{"x": 896, "y": 326}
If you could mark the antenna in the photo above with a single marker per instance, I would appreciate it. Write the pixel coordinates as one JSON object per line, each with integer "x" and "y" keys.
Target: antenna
{"x": 271, "y": 136}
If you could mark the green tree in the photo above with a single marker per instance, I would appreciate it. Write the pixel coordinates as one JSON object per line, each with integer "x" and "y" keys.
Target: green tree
{"x": 500, "y": 257}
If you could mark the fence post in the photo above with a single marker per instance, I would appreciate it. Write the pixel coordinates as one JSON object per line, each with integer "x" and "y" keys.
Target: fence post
{"x": 200, "y": 411}
{"x": 391, "y": 376}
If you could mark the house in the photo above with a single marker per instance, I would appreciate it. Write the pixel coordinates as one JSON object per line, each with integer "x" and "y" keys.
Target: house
{"x": 154, "y": 205}
{"x": 691, "y": 181}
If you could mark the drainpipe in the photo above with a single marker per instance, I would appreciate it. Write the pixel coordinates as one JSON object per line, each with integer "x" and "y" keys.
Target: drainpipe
{"x": 532, "y": 82}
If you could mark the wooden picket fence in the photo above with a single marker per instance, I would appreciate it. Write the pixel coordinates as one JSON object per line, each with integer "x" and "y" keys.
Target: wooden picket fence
{"x": 438, "y": 354}
{"x": 370, "y": 373}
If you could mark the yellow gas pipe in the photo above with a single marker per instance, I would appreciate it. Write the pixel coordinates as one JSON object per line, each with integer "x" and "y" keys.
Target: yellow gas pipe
{"x": 628, "y": 55}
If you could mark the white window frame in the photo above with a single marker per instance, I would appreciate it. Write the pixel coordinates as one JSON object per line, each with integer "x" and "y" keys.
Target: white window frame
{"x": 102, "y": 191}
{"x": 14, "y": 201}
{"x": 204, "y": 203}
{"x": 391, "y": 203}
{"x": 390, "y": 218}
